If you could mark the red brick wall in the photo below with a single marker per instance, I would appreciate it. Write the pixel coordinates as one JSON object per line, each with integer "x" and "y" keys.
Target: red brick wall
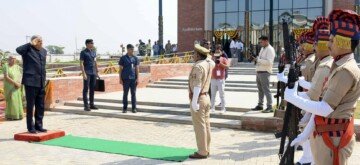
{"x": 169, "y": 70}
{"x": 191, "y": 20}
{"x": 344, "y": 4}
{"x": 70, "y": 88}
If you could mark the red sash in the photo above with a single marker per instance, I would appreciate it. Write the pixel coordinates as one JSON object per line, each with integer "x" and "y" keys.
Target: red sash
{"x": 346, "y": 137}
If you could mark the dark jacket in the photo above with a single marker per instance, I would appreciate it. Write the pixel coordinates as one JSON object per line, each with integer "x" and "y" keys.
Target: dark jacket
{"x": 34, "y": 61}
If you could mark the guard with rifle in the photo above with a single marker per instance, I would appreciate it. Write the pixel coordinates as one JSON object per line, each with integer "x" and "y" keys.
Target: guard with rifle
{"x": 332, "y": 122}
{"x": 291, "y": 119}
{"x": 321, "y": 28}
{"x": 307, "y": 49}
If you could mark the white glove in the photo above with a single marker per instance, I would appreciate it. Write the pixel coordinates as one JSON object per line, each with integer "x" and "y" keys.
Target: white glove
{"x": 194, "y": 103}
{"x": 282, "y": 78}
{"x": 303, "y": 83}
{"x": 305, "y": 119}
{"x": 300, "y": 139}
{"x": 315, "y": 107}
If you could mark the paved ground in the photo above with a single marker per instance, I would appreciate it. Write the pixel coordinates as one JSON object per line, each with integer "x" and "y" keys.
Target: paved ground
{"x": 228, "y": 146}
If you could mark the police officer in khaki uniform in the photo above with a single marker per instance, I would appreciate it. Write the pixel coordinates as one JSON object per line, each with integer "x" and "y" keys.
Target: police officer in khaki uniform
{"x": 332, "y": 122}
{"x": 199, "y": 83}
{"x": 321, "y": 28}
{"x": 307, "y": 48}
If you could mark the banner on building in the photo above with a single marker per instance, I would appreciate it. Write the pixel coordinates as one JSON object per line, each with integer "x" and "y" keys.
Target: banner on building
{"x": 220, "y": 33}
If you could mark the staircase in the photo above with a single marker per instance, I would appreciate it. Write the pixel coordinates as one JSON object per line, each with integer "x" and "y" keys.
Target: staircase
{"x": 231, "y": 84}
{"x": 167, "y": 101}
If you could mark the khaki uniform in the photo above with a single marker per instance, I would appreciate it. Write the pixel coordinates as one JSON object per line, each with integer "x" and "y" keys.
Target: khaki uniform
{"x": 317, "y": 82}
{"x": 306, "y": 70}
{"x": 201, "y": 76}
{"x": 342, "y": 93}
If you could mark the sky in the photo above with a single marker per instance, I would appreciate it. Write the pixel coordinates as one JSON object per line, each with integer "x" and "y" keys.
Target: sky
{"x": 68, "y": 23}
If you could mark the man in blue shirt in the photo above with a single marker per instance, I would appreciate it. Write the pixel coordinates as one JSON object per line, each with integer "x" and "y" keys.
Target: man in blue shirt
{"x": 129, "y": 76}
{"x": 89, "y": 70}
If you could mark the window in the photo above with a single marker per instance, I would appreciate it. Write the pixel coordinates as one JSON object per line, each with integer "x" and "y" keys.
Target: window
{"x": 257, "y": 19}
{"x": 232, "y": 5}
{"x": 314, "y": 13}
{"x": 232, "y": 19}
{"x": 315, "y": 3}
{"x": 275, "y": 4}
{"x": 219, "y": 20}
{"x": 285, "y": 4}
{"x": 242, "y": 19}
{"x": 242, "y": 6}
{"x": 258, "y": 4}
{"x": 299, "y": 3}
{"x": 219, "y": 5}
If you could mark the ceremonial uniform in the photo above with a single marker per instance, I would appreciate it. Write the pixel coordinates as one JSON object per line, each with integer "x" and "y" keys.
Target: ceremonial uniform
{"x": 333, "y": 139}
{"x": 320, "y": 69}
{"x": 200, "y": 76}
{"x": 308, "y": 67}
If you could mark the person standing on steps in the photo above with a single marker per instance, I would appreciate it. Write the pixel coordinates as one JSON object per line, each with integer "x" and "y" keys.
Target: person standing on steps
{"x": 218, "y": 80}
{"x": 199, "y": 84}
{"x": 90, "y": 72}
{"x": 264, "y": 63}
{"x": 34, "y": 75}
{"x": 129, "y": 76}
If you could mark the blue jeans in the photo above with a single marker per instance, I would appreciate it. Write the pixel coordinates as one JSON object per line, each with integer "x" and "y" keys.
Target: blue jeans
{"x": 129, "y": 84}
{"x": 89, "y": 83}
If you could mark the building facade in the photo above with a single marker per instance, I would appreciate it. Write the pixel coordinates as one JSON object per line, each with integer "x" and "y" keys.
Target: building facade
{"x": 220, "y": 20}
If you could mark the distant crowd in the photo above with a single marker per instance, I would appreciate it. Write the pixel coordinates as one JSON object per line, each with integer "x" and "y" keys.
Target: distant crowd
{"x": 155, "y": 49}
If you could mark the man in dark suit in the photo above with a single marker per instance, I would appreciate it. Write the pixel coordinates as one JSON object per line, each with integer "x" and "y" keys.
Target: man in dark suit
{"x": 89, "y": 71}
{"x": 34, "y": 75}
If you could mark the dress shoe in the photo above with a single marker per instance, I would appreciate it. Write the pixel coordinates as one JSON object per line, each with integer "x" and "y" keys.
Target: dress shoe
{"x": 134, "y": 111}
{"x": 87, "y": 109}
{"x": 124, "y": 111}
{"x": 93, "y": 107}
{"x": 268, "y": 110}
{"x": 257, "y": 108}
{"x": 298, "y": 163}
{"x": 197, "y": 156}
{"x": 32, "y": 131}
{"x": 41, "y": 130}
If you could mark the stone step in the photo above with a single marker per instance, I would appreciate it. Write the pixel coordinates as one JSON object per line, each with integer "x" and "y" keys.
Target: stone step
{"x": 230, "y": 89}
{"x": 227, "y": 81}
{"x": 246, "y": 73}
{"x": 226, "y": 84}
{"x": 247, "y": 69}
{"x": 144, "y": 116}
{"x": 159, "y": 104}
{"x": 156, "y": 109}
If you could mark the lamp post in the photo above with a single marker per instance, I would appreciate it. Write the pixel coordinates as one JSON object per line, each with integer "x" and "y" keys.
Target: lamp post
{"x": 161, "y": 30}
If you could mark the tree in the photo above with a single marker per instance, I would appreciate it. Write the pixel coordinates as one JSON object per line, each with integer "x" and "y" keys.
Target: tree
{"x": 53, "y": 49}
{"x": 3, "y": 56}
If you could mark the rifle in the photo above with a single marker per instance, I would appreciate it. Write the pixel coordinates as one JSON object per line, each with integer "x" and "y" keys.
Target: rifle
{"x": 291, "y": 118}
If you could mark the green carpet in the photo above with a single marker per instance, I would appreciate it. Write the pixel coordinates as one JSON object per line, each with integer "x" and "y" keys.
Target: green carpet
{"x": 124, "y": 148}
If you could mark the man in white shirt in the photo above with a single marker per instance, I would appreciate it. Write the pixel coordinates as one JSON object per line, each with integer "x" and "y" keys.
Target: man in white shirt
{"x": 239, "y": 48}
{"x": 264, "y": 63}
{"x": 233, "y": 48}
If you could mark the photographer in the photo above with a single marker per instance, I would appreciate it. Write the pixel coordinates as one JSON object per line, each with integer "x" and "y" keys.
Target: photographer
{"x": 218, "y": 80}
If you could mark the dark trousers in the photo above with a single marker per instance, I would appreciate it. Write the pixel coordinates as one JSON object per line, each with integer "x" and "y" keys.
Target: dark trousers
{"x": 35, "y": 96}
{"x": 129, "y": 84}
{"x": 89, "y": 83}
